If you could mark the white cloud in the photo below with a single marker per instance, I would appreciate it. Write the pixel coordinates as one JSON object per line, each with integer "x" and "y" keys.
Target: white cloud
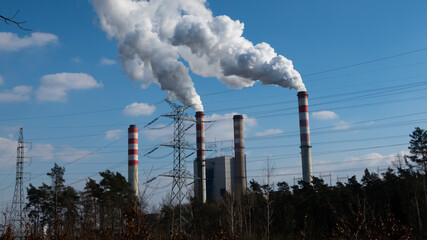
{"x": 54, "y": 87}
{"x": 17, "y": 94}
{"x": 12, "y": 42}
{"x": 324, "y": 115}
{"x": 138, "y": 109}
{"x": 1, "y": 80}
{"x": 269, "y": 132}
{"x": 341, "y": 125}
{"x": 114, "y": 134}
{"x": 106, "y": 61}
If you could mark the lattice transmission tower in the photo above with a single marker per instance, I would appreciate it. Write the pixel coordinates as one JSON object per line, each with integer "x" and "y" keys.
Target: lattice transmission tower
{"x": 179, "y": 173}
{"x": 18, "y": 215}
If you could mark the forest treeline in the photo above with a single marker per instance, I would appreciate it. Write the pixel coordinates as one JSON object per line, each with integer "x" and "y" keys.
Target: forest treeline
{"x": 392, "y": 205}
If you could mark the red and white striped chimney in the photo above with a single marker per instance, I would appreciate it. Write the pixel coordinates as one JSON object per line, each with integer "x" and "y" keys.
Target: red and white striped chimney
{"x": 304, "y": 136}
{"x": 133, "y": 158}
{"x": 200, "y": 183}
{"x": 239, "y": 154}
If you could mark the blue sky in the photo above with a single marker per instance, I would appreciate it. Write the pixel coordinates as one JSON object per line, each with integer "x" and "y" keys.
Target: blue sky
{"x": 65, "y": 87}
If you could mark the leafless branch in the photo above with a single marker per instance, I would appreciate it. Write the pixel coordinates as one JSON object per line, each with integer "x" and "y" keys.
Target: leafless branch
{"x": 10, "y": 20}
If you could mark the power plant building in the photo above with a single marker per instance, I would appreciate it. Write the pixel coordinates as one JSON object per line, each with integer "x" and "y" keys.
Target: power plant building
{"x": 220, "y": 176}
{"x": 216, "y": 176}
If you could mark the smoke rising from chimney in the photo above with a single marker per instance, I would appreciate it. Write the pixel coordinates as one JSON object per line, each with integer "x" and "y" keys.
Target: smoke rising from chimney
{"x": 154, "y": 37}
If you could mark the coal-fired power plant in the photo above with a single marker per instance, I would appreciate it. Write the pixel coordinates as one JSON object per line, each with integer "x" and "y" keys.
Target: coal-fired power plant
{"x": 133, "y": 158}
{"x": 304, "y": 136}
{"x": 239, "y": 151}
{"x": 200, "y": 183}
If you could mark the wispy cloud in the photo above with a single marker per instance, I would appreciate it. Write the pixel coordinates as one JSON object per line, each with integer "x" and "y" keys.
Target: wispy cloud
{"x": 217, "y": 127}
{"x": 269, "y": 132}
{"x": 71, "y": 154}
{"x": 17, "y": 94}
{"x": 158, "y": 132}
{"x": 8, "y": 148}
{"x": 1, "y": 80}
{"x": 114, "y": 134}
{"x": 138, "y": 109}
{"x": 375, "y": 159}
{"x": 107, "y": 61}
{"x": 54, "y": 87}
{"x": 341, "y": 125}
{"x": 76, "y": 60}
{"x": 42, "y": 151}
{"x": 12, "y": 42}
{"x": 221, "y": 126}
{"x": 329, "y": 115}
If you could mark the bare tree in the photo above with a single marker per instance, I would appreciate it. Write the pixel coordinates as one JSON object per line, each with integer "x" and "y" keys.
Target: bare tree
{"x": 268, "y": 173}
{"x": 11, "y": 20}
{"x": 229, "y": 204}
{"x": 399, "y": 161}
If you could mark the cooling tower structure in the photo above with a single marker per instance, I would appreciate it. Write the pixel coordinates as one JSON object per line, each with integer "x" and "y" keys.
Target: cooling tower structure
{"x": 304, "y": 136}
{"x": 239, "y": 151}
{"x": 200, "y": 183}
{"x": 133, "y": 158}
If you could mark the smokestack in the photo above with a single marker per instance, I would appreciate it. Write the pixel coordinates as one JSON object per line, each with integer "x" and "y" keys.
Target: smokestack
{"x": 304, "y": 136}
{"x": 239, "y": 152}
{"x": 133, "y": 158}
{"x": 200, "y": 183}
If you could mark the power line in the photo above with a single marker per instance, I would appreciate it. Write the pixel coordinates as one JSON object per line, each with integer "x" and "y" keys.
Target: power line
{"x": 219, "y": 92}
{"x": 389, "y": 89}
{"x": 328, "y": 142}
{"x": 370, "y": 71}
{"x": 365, "y": 92}
{"x": 315, "y": 131}
{"x": 365, "y": 62}
{"x": 318, "y": 172}
{"x": 71, "y": 114}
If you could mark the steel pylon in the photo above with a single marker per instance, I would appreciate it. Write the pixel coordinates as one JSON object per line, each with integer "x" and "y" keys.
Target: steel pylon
{"x": 179, "y": 173}
{"x": 17, "y": 213}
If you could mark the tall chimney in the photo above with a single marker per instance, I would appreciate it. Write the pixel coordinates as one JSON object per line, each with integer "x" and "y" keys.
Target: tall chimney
{"x": 239, "y": 154}
{"x": 200, "y": 183}
{"x": 133, "y": 158}
{"x": 304, "y": 136}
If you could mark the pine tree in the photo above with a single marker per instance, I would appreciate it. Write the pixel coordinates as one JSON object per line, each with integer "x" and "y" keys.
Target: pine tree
{"x": 418, "y": 148}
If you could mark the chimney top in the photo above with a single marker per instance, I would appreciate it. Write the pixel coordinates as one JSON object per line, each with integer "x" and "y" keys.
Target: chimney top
{"x": 302, "y": 94}
{"x": 238, "y": 117}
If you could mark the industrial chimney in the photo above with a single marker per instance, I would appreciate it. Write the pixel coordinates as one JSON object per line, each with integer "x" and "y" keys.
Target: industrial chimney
{"x": 239, "y": 154}
{"x": 133, "y": 158}
{"x": 304, "y": 136}
{"x": 200, "y": 183}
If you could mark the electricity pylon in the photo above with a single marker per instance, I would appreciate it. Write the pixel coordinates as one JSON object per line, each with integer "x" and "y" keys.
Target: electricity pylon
{"x": 18, "y": 215}
{"x": 179, "y": 173}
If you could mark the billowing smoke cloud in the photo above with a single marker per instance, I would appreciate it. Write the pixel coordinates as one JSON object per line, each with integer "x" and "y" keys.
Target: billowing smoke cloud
{"x": 154, "y": 36}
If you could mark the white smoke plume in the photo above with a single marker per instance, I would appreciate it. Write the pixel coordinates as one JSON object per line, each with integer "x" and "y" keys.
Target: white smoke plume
{"x": 154, "y": 37}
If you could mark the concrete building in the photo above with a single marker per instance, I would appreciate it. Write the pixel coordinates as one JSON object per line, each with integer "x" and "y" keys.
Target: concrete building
{"x": 220, "y": 176}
